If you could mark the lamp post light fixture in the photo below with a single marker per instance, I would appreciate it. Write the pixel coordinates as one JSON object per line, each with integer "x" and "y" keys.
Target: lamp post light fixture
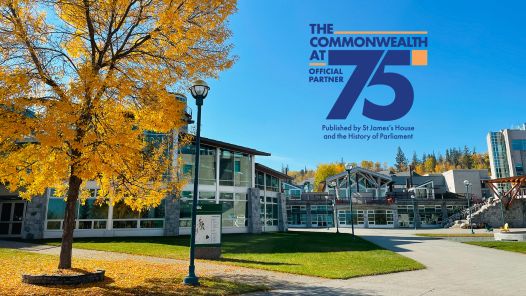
{"x": 348, "y": 168}
{"x": 199, "y": 91}
{"x": 414, "y": 210}
{"x": 468, "y": 197}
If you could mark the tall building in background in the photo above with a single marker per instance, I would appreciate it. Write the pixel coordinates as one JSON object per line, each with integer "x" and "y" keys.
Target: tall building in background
{"x": 507, "y": 152}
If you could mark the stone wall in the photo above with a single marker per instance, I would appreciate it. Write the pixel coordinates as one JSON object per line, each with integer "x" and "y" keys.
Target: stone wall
{"x": 254, "y": 211}
{"x": 492, "y": 215}
{"x": 171, "y": 218}
{"x": 33, "y": 226}
{"x": 282, "y": 217}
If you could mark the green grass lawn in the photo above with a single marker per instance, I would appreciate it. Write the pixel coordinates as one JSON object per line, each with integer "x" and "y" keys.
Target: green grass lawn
{"x": 327, "y": 255}
{"x": 455, "y": 234}
{"x": 519, "y": 247}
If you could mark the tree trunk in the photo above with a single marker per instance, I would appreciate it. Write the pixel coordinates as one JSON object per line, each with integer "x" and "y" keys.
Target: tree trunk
{"x": 69, "y": 221}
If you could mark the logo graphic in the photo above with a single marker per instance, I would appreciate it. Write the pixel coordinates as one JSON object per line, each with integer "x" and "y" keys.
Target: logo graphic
{"x": 382, "y": 48}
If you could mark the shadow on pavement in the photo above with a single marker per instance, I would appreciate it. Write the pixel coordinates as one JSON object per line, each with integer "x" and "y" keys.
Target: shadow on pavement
{"x": 395, "y": 243}
{"x": 283, "y": 287}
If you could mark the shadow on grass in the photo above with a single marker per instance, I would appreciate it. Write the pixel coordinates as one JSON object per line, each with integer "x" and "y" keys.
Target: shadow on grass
{"x": 284, "y": 242}
{"x": 233, "y": 260}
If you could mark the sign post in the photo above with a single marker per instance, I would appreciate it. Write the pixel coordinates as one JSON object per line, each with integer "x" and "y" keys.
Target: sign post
{"x": 208, "y": 231}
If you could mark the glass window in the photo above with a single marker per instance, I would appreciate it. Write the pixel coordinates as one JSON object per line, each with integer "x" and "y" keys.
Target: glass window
{"x": 243, "y": 170}
{"x": 185, "y": 208}
{"x": 157, "y": 212}
{"x": 226, "y": 168}
{"x": 207, "y": 165}
{"x": 152, "y": 224}
{"x": 99, "y": 224}
{"x": 234, "y": 213}
{"x": 240, "y": 196}
{"x": 207, "y": 169}
{"x": 125, "y": 224}
{"x": 275, "y": 184}
{"x": 272, "y": 183}
{"x": 209, "y": 196}
{"x": 260, "y": 180}
{"x": 53, "y": 225}
{"x": 85, "y": 224}
{"x": 122, "y": 211}
{"x": 93, "y": 209}
{"x": 518, "y": 145}
{"x": 56, "y": 208}
{"x": 226, "y": 195}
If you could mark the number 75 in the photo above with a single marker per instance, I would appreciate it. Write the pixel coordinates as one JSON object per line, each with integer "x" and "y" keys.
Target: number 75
{"x": 366, "y": 61}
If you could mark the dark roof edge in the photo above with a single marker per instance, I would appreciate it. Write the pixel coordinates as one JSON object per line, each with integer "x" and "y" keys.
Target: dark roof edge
{"x": 221, "y": 144}
{"x": 266, "y": 169}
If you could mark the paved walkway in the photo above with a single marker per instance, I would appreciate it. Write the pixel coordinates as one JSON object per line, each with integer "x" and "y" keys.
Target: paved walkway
{"x": 452, "y": 269}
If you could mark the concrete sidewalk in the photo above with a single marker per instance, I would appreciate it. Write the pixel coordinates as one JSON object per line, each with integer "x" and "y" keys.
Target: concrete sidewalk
{"x": 452, "y": 269}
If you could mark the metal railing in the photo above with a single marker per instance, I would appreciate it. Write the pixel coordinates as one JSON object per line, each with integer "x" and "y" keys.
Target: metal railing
{"x": 464, "y": 213}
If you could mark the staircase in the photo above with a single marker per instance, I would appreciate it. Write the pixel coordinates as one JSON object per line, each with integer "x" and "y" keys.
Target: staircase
{"x": 476, "y": 210}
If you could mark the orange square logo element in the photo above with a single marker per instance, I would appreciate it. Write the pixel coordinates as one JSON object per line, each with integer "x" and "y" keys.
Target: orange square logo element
{"x": 419, "y": 57}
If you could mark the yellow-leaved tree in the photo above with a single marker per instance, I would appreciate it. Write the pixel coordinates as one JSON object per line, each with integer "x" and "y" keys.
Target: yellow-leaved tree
{"x": 325, "y": 170}
{"x": 82, "y": 81}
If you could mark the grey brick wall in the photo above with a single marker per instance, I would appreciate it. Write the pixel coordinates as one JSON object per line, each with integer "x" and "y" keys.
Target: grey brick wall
{"x": 33, "y": 226}
{"x": 171, "y": 218}
{"x": 254, "y": 211}
{"x": 282, "y": 218}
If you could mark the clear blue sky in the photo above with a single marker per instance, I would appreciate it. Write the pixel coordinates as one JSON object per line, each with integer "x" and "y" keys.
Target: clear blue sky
{"x": 475, "y": 81}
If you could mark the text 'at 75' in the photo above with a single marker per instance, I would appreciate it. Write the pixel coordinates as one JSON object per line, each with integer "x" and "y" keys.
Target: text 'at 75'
{"x": 370, "y": 67}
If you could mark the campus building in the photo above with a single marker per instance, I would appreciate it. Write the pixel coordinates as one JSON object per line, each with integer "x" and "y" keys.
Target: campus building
{"x": 251, "y": 195}
{"x": 507, "y": 152}
{"x": 383, "y": 200}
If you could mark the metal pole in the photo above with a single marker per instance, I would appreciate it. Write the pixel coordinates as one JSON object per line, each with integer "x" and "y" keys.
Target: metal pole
{"x": 337, "y": 219}
{"x": 191, "y": 278}
{"x": 502, "y": 209}
{"x": 469, "y": 209}
{"x": 350, "y": 200}
{"x": 414, "y": 212}
{"x": 327, "y": 211}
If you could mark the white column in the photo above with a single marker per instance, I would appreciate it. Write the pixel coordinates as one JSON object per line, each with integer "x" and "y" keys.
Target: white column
{"x": 109, "y": 225}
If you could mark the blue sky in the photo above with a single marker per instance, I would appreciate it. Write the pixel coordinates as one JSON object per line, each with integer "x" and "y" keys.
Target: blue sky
{"x": 474, "y": 82}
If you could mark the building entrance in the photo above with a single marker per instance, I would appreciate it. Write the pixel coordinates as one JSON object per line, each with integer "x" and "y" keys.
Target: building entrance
{"x": 11, "y": 216}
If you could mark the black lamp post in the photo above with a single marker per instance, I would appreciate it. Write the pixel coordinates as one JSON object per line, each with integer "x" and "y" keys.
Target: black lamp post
{"x": 327, "y": 211}
{"x": 337, "y": 218}
{"x": 199, "y": 91}
{"x": 414, "y": 210}
{"x": 348, "y": 168}
{"x": 468, "y": 197}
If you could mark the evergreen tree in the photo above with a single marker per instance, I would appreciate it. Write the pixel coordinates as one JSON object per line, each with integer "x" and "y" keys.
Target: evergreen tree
{"x": 414, "y": 160}
{"x": 466, "y": 159}
{"x": 401, "y": 160}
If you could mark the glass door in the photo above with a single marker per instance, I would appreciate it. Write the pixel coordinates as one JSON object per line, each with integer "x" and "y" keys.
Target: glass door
{"x": 11, "y": 216}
